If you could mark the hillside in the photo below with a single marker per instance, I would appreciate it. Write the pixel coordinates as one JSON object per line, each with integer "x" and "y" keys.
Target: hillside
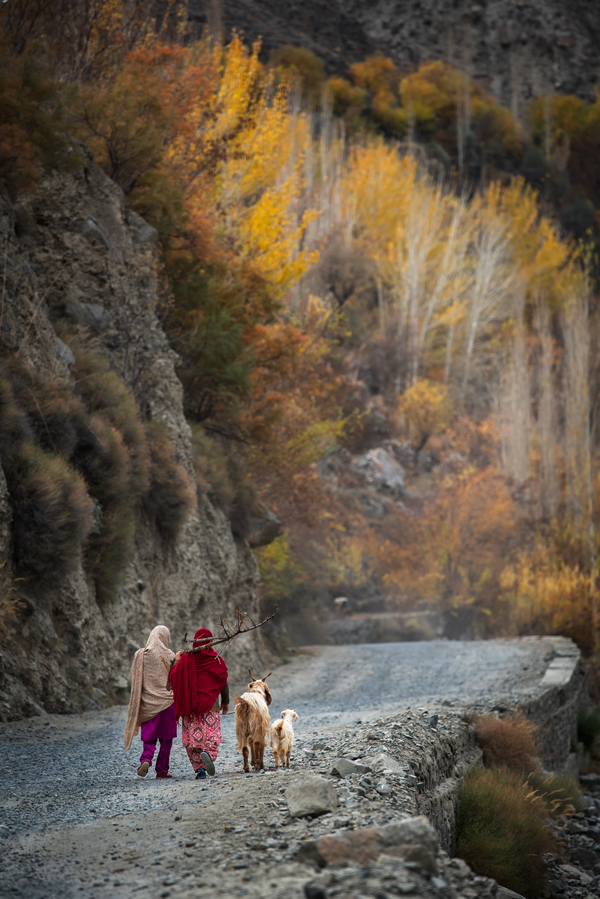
{"x": 76, "y": 259}
{"x": 516, "y": 49}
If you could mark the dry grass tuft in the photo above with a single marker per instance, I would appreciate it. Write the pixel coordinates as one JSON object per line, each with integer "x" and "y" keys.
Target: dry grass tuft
{"x": 560, "y": 792}
{"x": 502, "y": 831}
{"x": 509, "y": 741}
{"x": 170, "y": 499}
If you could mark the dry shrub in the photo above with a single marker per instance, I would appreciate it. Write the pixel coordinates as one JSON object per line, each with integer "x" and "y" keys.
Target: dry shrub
{"x": 57, "y": 420}
{"x": 170, "y": 500}
{"x": 508, "y": 741}
{"x": 52, "y": 514}
{"x": 106, "y": 468}
{"x": 10, "y": 604}
{"x": 105, "y": 394}
{"x": 502, "y": 831}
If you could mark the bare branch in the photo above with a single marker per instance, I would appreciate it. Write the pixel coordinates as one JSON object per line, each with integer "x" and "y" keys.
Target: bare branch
{"x": 229, "y": 632}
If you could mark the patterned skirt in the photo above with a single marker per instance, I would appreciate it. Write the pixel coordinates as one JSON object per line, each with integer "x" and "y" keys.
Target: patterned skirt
{"x": 201, "y": 733}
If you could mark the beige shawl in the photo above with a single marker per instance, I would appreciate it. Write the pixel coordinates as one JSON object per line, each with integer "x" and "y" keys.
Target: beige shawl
{"x": 149, "y": 674}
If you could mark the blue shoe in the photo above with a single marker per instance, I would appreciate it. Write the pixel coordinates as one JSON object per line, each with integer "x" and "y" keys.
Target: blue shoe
{"x": 201, "y": 774}
{"x": 208, "y": 763}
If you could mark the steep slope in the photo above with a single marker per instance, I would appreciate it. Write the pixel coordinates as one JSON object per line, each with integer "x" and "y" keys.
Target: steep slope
{"x": 71, "y": 251}
{"x": 516, "y": 49}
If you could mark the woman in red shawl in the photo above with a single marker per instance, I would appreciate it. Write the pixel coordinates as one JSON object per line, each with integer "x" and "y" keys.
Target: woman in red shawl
{"x": 200, "y": 691}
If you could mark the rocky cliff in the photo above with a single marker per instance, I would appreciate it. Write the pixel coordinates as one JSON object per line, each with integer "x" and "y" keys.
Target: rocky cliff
{"x": 72, "y": 252}
{"x": 516, "y": 49}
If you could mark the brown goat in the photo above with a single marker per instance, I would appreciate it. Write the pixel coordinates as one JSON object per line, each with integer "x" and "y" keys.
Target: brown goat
{"x": 253, "y": 722}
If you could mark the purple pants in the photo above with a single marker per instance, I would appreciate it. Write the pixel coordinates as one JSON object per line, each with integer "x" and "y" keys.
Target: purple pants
{"x": 162, "y": 727}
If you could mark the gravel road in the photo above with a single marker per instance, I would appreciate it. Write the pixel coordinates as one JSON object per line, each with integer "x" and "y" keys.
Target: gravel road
{"x": 76, "y": 820}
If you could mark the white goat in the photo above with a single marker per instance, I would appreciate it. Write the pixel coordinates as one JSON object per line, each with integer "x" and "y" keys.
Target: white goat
{"x": 282, "y": 737}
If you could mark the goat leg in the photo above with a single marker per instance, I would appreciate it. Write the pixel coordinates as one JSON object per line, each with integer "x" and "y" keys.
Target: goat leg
{"x": 245, "y": 756}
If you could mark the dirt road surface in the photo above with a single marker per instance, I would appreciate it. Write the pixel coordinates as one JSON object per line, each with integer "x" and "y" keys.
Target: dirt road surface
{"x": 75, "y": 820}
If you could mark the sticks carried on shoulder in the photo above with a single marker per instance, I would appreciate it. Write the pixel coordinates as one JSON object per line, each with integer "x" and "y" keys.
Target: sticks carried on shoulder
{"x": 230, "y": 630}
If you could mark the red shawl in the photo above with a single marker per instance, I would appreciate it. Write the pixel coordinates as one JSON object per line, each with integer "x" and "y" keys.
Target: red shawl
{"x": 198, "y": 678}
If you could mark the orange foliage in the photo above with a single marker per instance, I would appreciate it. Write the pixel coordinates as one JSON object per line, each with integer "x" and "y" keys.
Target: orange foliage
{"x": 454, "y": 551}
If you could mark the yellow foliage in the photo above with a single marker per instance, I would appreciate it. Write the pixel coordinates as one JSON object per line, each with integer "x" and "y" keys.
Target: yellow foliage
{"x": 379, "y": 76}
{"x": 544, "y": 594}
{"x": 430, "y": 91}
{"x": 346, "y": 561}
{"x": 427, "y": 407}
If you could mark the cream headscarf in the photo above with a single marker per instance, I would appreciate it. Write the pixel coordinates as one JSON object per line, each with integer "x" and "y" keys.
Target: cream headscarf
{"x": 149, "y": 675}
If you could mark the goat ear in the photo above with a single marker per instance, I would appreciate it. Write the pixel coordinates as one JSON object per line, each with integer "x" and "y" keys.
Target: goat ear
{"x": 268, "y": 697}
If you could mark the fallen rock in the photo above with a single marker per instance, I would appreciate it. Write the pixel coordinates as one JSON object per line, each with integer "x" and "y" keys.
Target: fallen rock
{"x": 313, "y": 795}
{"x": 411, "y": 840}
{"x": 385, "y": 764}
{"x": 505, "y": 893}
{"x": 344, "y": 767}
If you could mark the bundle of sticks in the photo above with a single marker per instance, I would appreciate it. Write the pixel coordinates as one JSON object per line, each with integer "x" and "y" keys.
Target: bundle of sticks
{"x": 230, "y": 629}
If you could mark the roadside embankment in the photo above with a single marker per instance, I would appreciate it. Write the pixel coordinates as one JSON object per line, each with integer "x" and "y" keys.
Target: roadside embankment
{"x": 75, "y": 817}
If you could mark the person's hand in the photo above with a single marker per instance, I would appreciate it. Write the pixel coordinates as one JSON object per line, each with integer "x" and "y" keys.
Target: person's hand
{"x": 178, "y": 655}
{"x": 224, "y": 709}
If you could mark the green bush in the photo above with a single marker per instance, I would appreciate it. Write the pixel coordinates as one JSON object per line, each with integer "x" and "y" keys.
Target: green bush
{"x": 502, "y": 832}
{"x": 52, "y": 514}
{"x": 588, "y": 726}
{"x": 169, "y": 500}
{"x": 560, "y": 792}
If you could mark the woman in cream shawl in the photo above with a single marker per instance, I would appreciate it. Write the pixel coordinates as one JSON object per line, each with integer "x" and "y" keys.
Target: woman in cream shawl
{"x": 151, "y": 703}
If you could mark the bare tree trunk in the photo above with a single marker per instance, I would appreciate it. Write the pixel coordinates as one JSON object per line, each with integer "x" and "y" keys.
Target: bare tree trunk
{"x": 547, "y": 425}
{"x": 514, "y": 403}
{"x": 578, "y": 461}
{"x": 448, "y": 354}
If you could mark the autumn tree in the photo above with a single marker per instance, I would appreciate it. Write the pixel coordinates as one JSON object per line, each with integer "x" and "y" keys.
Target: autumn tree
{"x": 427, "y": 408}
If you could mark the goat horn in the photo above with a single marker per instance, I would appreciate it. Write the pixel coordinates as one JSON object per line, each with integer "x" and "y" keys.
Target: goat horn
{"x": 251, "y": 675}
{"x": 267, "y": 675}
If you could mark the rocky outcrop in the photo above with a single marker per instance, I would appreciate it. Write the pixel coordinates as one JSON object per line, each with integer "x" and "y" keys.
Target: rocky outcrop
{"x": 73, "y": 252}
{"x": 516, "y": 49}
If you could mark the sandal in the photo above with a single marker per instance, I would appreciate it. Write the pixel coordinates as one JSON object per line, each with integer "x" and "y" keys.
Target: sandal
{"x": 143, "y": 769}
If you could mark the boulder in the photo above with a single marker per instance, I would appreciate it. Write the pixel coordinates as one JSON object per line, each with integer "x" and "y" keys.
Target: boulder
{"x": 382, "y": 470}
{"x": 312, "y": 796}
{"x": 412, "y": 840}
{"x": 385, "y": 764}
{"x": 265, "y": 529}
{"x": 344, "y": 768}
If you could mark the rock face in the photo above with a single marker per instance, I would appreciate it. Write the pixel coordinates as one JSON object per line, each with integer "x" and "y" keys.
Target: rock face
{"x": 74, "y": 251}
{"x": 516, "y": 49}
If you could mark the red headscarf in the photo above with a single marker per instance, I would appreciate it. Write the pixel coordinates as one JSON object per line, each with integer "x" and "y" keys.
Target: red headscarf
{"x": 198, "y": 678}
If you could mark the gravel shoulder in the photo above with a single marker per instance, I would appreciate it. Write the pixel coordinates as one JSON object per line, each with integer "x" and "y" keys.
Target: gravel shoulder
{"x": 76, "y": 820}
